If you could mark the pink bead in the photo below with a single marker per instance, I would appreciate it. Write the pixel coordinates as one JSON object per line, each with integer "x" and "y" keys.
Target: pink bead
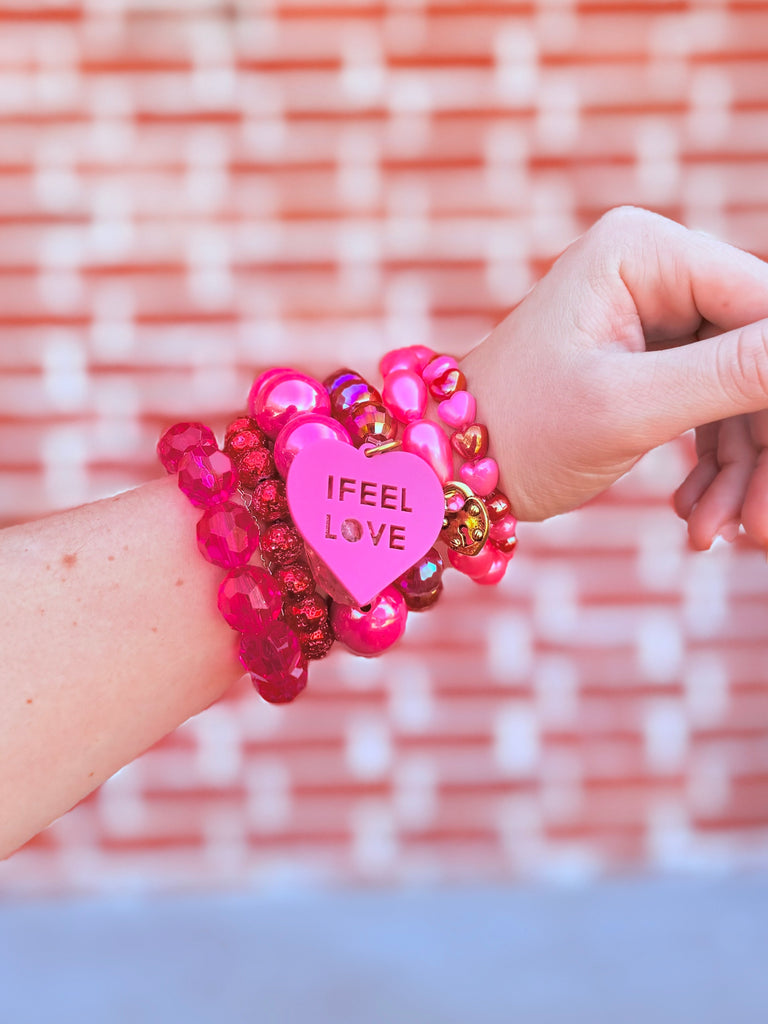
{"x": 372, "y": 630}
{"x": 275, "y": 662}
{"x": 302, "y": 431}
{"x": 503, "y": 534}
{"x": 262, "y": 381}
{"x": 405, "y": 395}
{"x": 472, "y": 565}
{"x": 179, "y": 438}
{"x": 284, "y": 397}
{"x": 459, "y": 410}
{"x": 249, "y": 598}
{"x": 207, "y": 478}
{"x": 430, "y": 442}
{"x": 496, "y": 571}
{"x": 438, "y": 366}
{"x": 227, "y": 535}
{"x": 412, "y": 357}
{"x": 481, "y": 476}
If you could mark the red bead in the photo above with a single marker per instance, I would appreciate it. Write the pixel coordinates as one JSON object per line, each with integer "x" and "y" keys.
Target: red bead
{"x": 496, "y": 571}
{"x": 339, "y": 378}
{"x": 422, "y": 581}
{"x": 227, "y": 535}
{"x": 497, "y": 505}
{"x": 179, "y": 438}
{"x": 281, "y": 543}
{"x": 351, "y": 394}
{"x": 419, "y": 602}
{"x": 471, "y": 442}
{"x": 445, "y": 385}
{"x": 243, "y": 441}
{"x": 275, "y": 662}
{"x": 306, "y": 613}
{"x": 240, "y": 424}
{"x": 249, "y": 598}
{"x": 318, "y": 642}
{"x": 269, "y": 502}
{"x": 503, "y": 534}
{"x": 296, "y": 580}
{"x": 254, "y": 465}
{"x": 207, "y": 478}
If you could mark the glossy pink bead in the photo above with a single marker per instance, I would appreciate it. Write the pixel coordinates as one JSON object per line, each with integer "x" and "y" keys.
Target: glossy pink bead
{"x": 227, "y": 535}
{"x": 249, "y": 598}
{"x": 264, "y": 380}
{"x": 459, "y": 410}
{"x": 503, "y": 533}
{"x": 405, "y": 395}
{"x": 372, "y": 630}
{"x": 285, "y": 397}
{"x": 178, "y": 439}
{"x": 430, "y": 442}
{"x": 481, "y": 476}
{"x": 412, "y": 357}
{"x": 496, "y": 571}
{"x": 303, "y": 431}
{"x": 473, "y": 566}
{"x": 437, "y": 367}
{"x": 207, "y": 478}
{"x": 275, "y": 662}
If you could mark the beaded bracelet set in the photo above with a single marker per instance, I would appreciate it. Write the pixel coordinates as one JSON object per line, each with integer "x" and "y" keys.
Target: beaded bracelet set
{"x": 350, "y": 498}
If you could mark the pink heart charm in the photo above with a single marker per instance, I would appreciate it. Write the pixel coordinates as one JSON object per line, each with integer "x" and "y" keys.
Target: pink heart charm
{"x": 368, "y": 519}
{"x": 458, "y": 410}
{"x": 481, "y": 476}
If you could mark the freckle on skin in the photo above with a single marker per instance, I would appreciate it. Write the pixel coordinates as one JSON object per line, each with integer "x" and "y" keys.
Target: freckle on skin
{"x": 111, "y": 558}
{"x": 69, "y": 560}
{"x": 179, "y": 582}
{"x": 154, "y": 629}
{"x": 29, "y": 700}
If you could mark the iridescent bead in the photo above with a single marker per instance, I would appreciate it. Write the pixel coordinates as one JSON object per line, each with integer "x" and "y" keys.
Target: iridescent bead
{"x": 275, "y": 662}
{"x": 405, "y": 395}
{"x": 264, "y": 380}
{"x": 371, "y": 630}
{"x": 498, "y": 506}
{"x": 339, "y": 378}
{"x": 472, "y": 565}
{"x": 348, "y": 396}
{"x": 472, "y": 442}
{"x": 207, "y": 478}
{"x": 295, "y": 580}
{"x": 281, "y": 543}
{"x": 307, "y": 613}
{"x": 284, "y": 397}
{"x": 496, "y": 571}
{"x": 421, "y": 584}
{"x": 412, "y": 357}
{"x": 302, "y": 431}
{"x": 430, "y": 442}
{"x": 370, "y": 423}
{"x": 269, "y": 502}
{"x": 503, "y": 534}
{"x": 179, "y": 438}
{"x": 248, "y": 598}
{"x": 447, "y": 384}
{"x": 227, "y": 535}
{"x": 437, "y": 367}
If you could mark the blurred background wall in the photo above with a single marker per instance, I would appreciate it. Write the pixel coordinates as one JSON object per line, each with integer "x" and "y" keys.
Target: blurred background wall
{"x": 192, "y": 190}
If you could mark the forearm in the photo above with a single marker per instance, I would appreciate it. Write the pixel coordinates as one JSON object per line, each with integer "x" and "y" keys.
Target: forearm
{"x": 109, "y": 639}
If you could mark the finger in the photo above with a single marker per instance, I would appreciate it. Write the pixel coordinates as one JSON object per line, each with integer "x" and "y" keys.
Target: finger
{"x": 698, "y": 480}
{"x": 719, "y": 507}
{"x": 754, "y": 513}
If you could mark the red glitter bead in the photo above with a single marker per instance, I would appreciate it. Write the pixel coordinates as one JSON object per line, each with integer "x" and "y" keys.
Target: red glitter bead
{"x": 316, "y": 643}
{"x": 179, "y": 438}
{"x": 207, "y": 478}
{"x": 254, "y": 465}
{"x": 296, "y": 580}
{"x": 240, "y": 424}
{"x": 306, "y": 614}
{"x": 269, "y": 502}
{"x": 243, "y": 441}
{"x": 227, "y": 535}
{"x": 281, "y": 543}
{"x": 276, "y": 663}
{"x": 249, "y": 598}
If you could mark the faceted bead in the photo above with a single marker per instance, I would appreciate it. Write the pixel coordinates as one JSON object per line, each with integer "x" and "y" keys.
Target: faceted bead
{"x": 422, "y": 579}
{"x": 503, "y": 534}
{"x": 429, "y": 441}
{"x": 263, "y": 381}
{"x": 227, "y": 535}
{"x": 412, "y": 357}
{"x": 180, "y": 438}
{"x": 447, "y": 384}
{"x": 295, "y": 580}
{"x": 255, "y": 465}
{"x": 420, "y": 602}
{"x": 497, "y": 504}
{"x": 371, "y": 630}
{"x": 472, "y": 442}
{"x": 340, "y": 378}
{"x": 268, "y": 502}
{"x": 405, "y": 395}
{"x": 281, "y": 543}
{"x": 496, "y": 571}
{"x": 276, "y": 663}
{"x": 285, "y": 397}
{"x": 207, "y": 478}
{"x": 317, "y": 642}
{"x": 307, "y": 613}
{"x": 437, "y": 367}
{"x": 355, "y": 392}
{"x": 248, "y": 598}
{"x": 472, "y": 565}
{"x": 303, "y": 431}
{"x": 370, "y": 423}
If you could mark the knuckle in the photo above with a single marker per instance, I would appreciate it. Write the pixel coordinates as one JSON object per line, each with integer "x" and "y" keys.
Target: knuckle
{"x": 743, "y": 366}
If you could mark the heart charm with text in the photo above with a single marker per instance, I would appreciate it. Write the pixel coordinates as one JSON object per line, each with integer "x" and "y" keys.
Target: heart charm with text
{"x": 368, "y": 518}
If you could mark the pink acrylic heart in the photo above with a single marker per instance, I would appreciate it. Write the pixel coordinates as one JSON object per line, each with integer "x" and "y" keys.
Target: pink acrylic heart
{"x": 367, "y": 518}
{"x": 481, "y": 476}
{"x": 459, "y": 410}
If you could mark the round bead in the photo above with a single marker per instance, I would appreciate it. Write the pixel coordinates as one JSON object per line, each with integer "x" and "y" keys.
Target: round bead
{"x": 281, "y": 543}
{"x": 306, "y": 614}
{"x": 355, "y": 392}
{"x": 497, "y": 505}
{"x": 242, "y": 441}
{"x": 422, "y": 579}
{"x": 241, "y": 423}
{"x": 340, "y": 378}
{"x": 503, "y": 534}
{"x": 405, "y": 395}
{"x": 227, "y": 535}
{"x": 370, "y": 423}
{"x": 496, "y": 571}
{"x": 248, "y": 598}
{"x": 275, "y": 662}
{"x": 263, "y": 381}
{"x": 437, "y": 367}
{"x": 412, "y": 357}
{"x": 303, "y": 431}
{"x": 420, "y": 602}
{"x": 472, "y": 565}
{"x": 430, "y": 442}
{"x": 371, "y": 630}
{"x": 179, "y": 438}
{"x": 207, "y": 478}
{"x": 255, "y": 465}
{"x": 295, "y": 580}
{"x": 268, "y": 502}
{"x": 284, "y": 397}
{"x": 318, "y": 642}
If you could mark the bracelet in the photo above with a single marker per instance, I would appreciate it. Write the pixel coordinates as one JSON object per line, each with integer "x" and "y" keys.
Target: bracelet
{"x": 350, "y": 497}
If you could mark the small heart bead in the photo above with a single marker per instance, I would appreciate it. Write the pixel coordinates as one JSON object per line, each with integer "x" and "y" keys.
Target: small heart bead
{"x": 447, "y": 384}
{"x": 481, "y": 476}
{"x": 438, "y": 366}
{"x": 471, "y": 443}
{"x": 458, "y": 410}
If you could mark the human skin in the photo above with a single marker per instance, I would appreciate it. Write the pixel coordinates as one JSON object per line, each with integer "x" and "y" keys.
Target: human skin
{"x": 641, "y": 331}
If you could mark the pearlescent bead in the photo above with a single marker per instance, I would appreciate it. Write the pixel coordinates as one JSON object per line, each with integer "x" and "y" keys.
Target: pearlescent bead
{"x": 207, "y": 478}
{"x": 421, "y": 584}
{"x": 264, "y": 380}
{"x": 227, "y": 535}
{"x": 351, "y": 394}
{"x": 178, "y": 439}
{"x": 285, "y": 397}
{"x": 472, "y": 565}
{"x": 430, "y": 442}
{"x": 481, "y": 476}
{"x": 495, "y": 572}
{"x": 302, "y": 431}
{"x": 437, "y": 367}
{"x": 405, "y": 395}
{"x": 275, "y": 662}
{"x": 371, "y": 630}
{"x": 370, "y": 423}
{"x": 503, "y": 534}
{"x": 340, "y": 377}
{"x": 248, "y": 598}
{"x": 412, "y": 357}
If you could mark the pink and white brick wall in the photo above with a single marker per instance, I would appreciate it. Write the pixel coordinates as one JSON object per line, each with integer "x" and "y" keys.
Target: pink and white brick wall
{"x": 190, "y": 191}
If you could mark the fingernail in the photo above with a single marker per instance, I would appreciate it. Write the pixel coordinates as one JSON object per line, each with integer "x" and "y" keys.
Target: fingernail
{"x": 729, "y": 531}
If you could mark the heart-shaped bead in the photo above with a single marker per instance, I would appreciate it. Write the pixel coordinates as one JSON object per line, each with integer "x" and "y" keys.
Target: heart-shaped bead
{"x": 458, "y": 410}
{"x": 437, "y": 367}
{"x": 481, "y": 476}
{"x": 447, "y": 384}
{"x": 472, "y": 442}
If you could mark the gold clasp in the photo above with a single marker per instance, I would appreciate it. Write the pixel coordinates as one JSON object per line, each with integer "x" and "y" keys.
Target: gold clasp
{"x": 465, "y": 529}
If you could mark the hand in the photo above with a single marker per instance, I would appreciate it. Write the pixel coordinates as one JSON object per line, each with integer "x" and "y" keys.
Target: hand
{"x": 640, "y": 331}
